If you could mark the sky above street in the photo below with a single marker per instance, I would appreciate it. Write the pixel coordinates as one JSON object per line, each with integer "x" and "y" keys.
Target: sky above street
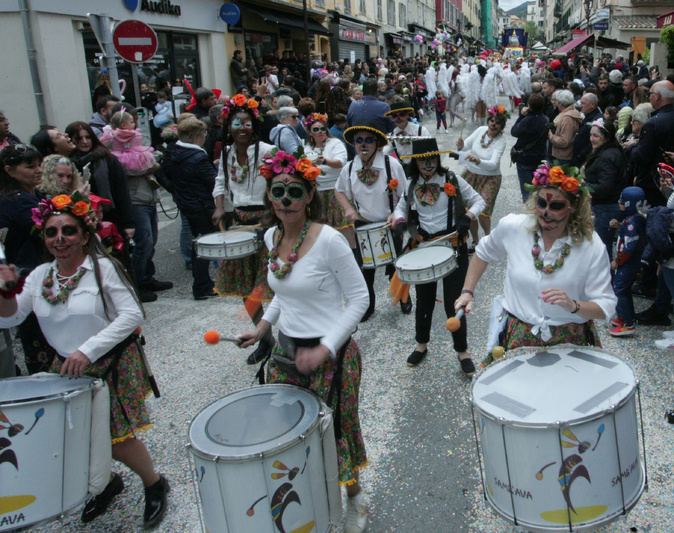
{"x": 506, "y": 5}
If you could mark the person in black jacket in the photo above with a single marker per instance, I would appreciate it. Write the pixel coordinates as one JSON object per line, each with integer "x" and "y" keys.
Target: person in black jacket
{"x": 581, "y": 143}
{"x": 604, "y": 175}
{"x": 531, "y": 133}
{"x": 193, "y": 176}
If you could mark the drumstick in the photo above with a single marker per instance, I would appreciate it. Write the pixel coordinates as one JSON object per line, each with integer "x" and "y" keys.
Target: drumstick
{"x": 242, "y": 228}
{"x": 454, "y": 322}
{"x": 213, "y": 337}
{"x": 436, "y": 240}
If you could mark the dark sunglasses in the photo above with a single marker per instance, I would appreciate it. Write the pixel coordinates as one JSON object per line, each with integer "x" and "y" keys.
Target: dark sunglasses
{"x": 396, "y": 115}
{"x": 427, "y": 160}
{"x": 68, "y": 231}
{"x": 294, "y": 191}
{"x": 364, "y": 140}
{"x": 542, "y": 203}
{"x": 294, "y": 116}
{"x": 322, "y": 129}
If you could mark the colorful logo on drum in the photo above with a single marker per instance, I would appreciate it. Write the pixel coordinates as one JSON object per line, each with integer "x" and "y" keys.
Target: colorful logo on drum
{"x": 570, "y": 470}
{"x": 10, "y": 504}
{"x": 284, "y": 496}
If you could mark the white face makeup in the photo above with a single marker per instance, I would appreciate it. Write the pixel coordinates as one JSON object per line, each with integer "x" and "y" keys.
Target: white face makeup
{"x": 552, "y": 208}
{"x": 428, "y": 166}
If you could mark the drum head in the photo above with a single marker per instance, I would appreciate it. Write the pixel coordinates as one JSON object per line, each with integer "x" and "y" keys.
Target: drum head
{"x": 553, "y": 385}
{"x": 226, "y": 238}
{"x": 27, "y": 388}
{"x": 371, "y": 226}
{"x": 253, "y": 421}
{"x": 424, "y": 257}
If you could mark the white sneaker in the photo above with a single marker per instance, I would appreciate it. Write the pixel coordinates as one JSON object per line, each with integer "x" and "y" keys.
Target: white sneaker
{"x": 665, "y": 344}
{"x": 668, "y": 334}
{"x": 356, "y": 514}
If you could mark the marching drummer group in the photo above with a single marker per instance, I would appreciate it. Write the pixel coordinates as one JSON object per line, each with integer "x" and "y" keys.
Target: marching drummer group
{"x": 308, "y": 267}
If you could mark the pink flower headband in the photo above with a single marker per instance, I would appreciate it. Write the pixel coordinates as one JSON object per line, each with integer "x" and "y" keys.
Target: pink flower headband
{"x": 315, "y": 117}
{"x": 240, "y": 103}
{"x": 278, "y": 162}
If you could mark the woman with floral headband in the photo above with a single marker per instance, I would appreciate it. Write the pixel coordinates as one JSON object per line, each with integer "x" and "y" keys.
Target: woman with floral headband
{"x": 558, "y": 279}
{"x": 88, "y": 310}
{"x": 239, "y": 194}
{"x": 438, "y": 198}
{"x": 328, "y": 154}
{"x": 481, "y": 154}
{"x": 311, "y": 269}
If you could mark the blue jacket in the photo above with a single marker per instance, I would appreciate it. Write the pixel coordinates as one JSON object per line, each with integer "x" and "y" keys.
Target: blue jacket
{"x": 527, "y": 129}
{"x": 193, "y": 175}
{"x": 369, "y": 109}
{"x": 631, "y": 240}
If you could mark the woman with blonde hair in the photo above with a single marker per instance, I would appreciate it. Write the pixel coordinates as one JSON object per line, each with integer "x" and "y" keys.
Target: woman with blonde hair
{"x": 60, "y": 176}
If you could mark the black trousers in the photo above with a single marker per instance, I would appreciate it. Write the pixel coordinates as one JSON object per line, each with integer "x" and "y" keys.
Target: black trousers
{"x": 451, "y": 290}
{"x": 200, "y": 224}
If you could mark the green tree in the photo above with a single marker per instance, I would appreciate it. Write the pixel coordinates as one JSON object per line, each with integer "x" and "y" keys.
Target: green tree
{"x": 667, "y": 37}
{"x": 534, "y": 33}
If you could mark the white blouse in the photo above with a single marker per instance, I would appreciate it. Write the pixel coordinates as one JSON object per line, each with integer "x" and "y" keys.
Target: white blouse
{"x": 333, "y": 149}
{"x": 585, "y": 275}
{"x": 80, "y": 323}
{"x": 371, "y": 201}
{"x": 252, "y": 190}
{"x": 490, "y": 157}
{"x": 308, "y": 302}
{"x": 433, "y": 218}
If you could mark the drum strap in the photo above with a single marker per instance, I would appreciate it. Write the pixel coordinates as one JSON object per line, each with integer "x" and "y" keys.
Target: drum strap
{"x": 455, "y": 204}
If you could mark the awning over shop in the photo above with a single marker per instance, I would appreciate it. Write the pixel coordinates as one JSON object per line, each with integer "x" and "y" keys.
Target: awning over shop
{"x": 601, "y": 42}
{"x": 396, "y": 38}
{"x": 578, "y": 41}
{"x": 605, "y": 42}
{"x": 295, "y": 22}
{"x": 665, "y": 20}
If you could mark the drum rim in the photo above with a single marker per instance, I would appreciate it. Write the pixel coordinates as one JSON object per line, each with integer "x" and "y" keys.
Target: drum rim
{"x": 84, "y": 387}
{"x": 372, "y": 226}
{"x": 249, "y": 234}
{"x": 452, "y": 256}
{"x": 618, "y": 512}
{"x": 197, "y": 451}
{"x": 528, "y": 349}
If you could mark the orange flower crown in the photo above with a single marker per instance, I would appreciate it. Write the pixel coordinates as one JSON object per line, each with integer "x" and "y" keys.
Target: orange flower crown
{"x": 240, "y": 103}
{"x": 77, "y": 205}
{"x": 315, "y": 117}
{"x": 563, "y": 177}
{"x": 278, "y": 162}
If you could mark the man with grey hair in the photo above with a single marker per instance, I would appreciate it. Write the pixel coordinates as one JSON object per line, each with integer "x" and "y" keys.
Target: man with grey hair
{"x": 591, "y": 112}
{"x": 567, "y": 123}
{"x": 657, "y": 137}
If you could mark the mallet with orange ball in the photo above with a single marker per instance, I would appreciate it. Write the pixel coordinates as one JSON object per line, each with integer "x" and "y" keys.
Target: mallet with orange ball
{"x": 454, "y": 322}
{"x": 213, "y": 337}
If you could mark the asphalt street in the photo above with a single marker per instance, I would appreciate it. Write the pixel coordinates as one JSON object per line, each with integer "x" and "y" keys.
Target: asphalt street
{"x": 423, "y": 473}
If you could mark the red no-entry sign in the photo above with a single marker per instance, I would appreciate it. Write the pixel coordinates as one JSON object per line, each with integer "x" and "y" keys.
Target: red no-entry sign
{"x": 135, "y": 41}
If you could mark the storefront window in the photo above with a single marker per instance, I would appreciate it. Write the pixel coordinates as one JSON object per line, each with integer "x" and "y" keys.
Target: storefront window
{"x": 260, "y": 44}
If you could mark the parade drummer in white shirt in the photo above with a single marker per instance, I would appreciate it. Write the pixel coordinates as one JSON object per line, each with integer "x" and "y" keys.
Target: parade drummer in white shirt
{"x": 558, "y": 279}
{"x": 369, "y": 188}
{"x": 438, "y": 198}
{"x": 401, "y": 113}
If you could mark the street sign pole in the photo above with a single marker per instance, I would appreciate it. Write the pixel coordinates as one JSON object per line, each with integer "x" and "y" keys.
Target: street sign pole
{"x": 102, "y": 28}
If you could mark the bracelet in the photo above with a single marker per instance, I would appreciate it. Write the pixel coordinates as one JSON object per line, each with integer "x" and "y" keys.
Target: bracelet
{"x": 17, "y": 289}
{"x": 577, "y": 307}
{"x": 467, "y": 291}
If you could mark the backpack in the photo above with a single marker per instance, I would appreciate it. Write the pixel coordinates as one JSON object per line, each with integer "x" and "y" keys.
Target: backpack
{"x": 657, "y": 232}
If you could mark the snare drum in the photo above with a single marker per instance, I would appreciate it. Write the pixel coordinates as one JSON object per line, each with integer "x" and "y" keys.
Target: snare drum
{"x": 376, "y": 244}
{"x": 558, "y": 432}
{"x": 45, "y": 430}
{"x": 427, "y": 264}
{"x": 261, "y": 464}
{"x": 227, "y": 245}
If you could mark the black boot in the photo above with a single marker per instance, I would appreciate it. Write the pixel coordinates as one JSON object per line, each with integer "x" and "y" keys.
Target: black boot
{"x": 155, "y": 502}
{"x": 97, "y": 505}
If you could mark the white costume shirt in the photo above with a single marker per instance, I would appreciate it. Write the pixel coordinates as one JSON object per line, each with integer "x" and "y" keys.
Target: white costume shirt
{"x": 490, "y": 157}
{"x": 585, "y": 275}
{"x": 308, "y": 302}
{"x": 372, "y": 201}
{"x": 252, "y": 190}
{"x": 404, "y": 147}
{"x": 80, "y": 323}
{"x": 433, "y": 218}
{"x": 333, "y": 149}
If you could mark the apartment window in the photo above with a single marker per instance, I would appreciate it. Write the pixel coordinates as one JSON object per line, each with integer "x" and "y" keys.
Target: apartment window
{"x": 320, "y": 3}
{"x": 391, "y": 12}
{"x": 347, "y": 6}
{"x": 363, "y": 9}
{"x": 402, "y": 18}
{"x": 379, "y": 14}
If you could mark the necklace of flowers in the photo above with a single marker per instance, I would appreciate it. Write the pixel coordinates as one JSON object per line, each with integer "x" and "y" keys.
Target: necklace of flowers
{"x": 486, "y": 145}
{"x": 559, "y": 262}
{"x": 65, "y": 288}
{"x": 244, "y": 171}
{"x": 283, "y": 271}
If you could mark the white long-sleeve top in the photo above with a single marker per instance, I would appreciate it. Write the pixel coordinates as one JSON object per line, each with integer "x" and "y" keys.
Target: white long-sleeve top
{"x": 308, "y": 302}
{"x": 490, "y": 157}
{"x": 585, "y": 275}
{"x": 80, "y": 323}
{"x": 252, "y": 190}
{"x": 333, "y": 149}
{"x": 433, "y": 218}
{"x": 372, "y": 201}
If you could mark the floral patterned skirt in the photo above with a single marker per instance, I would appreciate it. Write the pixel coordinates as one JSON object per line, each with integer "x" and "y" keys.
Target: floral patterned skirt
{"x": 334, "y": 214}
{"x": 518, "y": 333}
{"x": 350, "y": 448}
{"x": 129, "y": 386}
{"x": 245, "y": 277}
{"x": 485, "y": 186}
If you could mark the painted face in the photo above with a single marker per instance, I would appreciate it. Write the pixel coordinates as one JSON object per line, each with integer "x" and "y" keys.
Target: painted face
{"x": 596, "y": 137}
{"x": 428, "y": 166}
{"x": 494, "y": 125}
{"x": 318, "y": 131}
{"x": 552, "y": 209}
{"x": 401, "y": 119}
{"x": 241, "y": 128}
{"x": 365, "y": 144}
{"x": 83, "y": 141}
{"x": 64, "y": 175}
{"x": 62, "y": 143}
{"x": 29, "y": 175}
{"x": 64, "y": 238}
{"x": 289, "y": 197}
